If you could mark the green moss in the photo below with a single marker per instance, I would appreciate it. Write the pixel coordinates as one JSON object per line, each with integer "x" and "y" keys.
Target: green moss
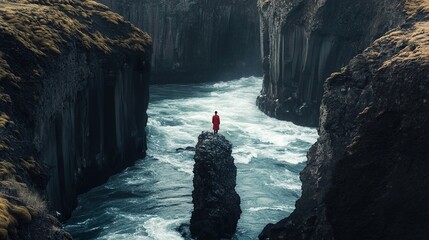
{"x": 5, "y": 98}
{"x": 31, "y": 166}
{"x": 21, "y": 213}
{"x": 5, "y": 71}
{"x": 10, "y": 217}
{"x": 4, "y": 119}
{"x": 412, "y": 7}
{"x": 9, "y": 214}
{"x": 7, "y": 170}
{"x": 35, "y": 205}
{"x": 43, "y": 26}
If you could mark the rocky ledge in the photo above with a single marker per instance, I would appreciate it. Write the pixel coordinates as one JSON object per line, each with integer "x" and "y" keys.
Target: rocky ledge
{"x": 367, "y": 175}
{"x": 73, "y": 95}
{"x": 216, "y": 203}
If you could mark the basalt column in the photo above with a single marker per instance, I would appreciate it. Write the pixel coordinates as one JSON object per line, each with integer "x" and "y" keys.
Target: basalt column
{"x": 74, "y": 84}
{"x": 198, "y": 40}
{"x": 216, "y": 203}
{"x": 367, "y": 174}
{"x": 304, "y": 41}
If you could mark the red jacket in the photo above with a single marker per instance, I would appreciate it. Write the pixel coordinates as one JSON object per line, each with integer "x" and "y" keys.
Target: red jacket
{"x": 216, "y": 122}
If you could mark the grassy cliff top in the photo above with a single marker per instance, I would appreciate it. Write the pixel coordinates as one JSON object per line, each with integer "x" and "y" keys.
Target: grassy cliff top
{"x": 43, "y": 27}
{"x": 412, "y": 45}
{"x": 413, "y": 7}
{"x": 31, "y": 32}
{"x": 403, "y": 45}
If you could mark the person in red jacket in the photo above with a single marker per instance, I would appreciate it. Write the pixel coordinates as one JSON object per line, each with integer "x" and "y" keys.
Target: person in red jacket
{"x": 216, "y": 122}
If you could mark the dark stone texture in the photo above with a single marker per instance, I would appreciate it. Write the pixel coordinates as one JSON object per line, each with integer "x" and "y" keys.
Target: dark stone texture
{"x": 73, "y": 99}
{"x": 304, "y": 41}
{"x": 216, "y": 203}
{"x": 197, "y": 40}
{"x": 192, "y": 149}
{"x": 367, "y": 175}
{"x": 90, "y": 121}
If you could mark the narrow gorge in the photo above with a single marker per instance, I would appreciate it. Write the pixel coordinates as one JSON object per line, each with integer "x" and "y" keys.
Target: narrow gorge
{"x": 199, "y": 40}
{"x": 100, "y": 114}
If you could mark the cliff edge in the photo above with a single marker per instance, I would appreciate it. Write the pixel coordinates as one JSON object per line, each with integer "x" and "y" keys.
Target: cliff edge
{"x": 304, "y": 41}
{"x": 216, "y": 203}
{"x": 366, "y": 176}
{"x": 73, "y": 96}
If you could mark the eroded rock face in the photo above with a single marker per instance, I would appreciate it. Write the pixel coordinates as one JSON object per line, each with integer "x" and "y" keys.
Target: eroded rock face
{"x": 304, "y": 41}
{"x": 73, "y": 98}
{"x": 216, "y": 203}
{"x": 197, "y": 40}
{"x": 366, "y": 176}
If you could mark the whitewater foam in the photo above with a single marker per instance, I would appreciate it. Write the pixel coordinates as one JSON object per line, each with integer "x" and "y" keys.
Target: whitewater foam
{"x": 153, "y": 198}
{"x": 161, "y": 229}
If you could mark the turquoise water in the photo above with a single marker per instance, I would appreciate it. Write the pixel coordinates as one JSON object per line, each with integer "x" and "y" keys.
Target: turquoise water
{"x": 152, "y": 199}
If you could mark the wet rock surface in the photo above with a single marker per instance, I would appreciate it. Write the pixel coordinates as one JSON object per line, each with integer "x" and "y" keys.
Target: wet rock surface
{"x": 216, "y": 203}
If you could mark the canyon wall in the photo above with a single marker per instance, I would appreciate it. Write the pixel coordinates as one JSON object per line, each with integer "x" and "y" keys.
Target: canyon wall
{"x": 90, "y": 122}
{"x": 366, "y": 176}
{"x": 197, "y": 40}
{"x": 303, "y": 41}
{"x": 74, "y": 93}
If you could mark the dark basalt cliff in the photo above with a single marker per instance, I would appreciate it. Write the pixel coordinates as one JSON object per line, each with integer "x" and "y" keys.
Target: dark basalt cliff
{"x": 367, "y": 175}
{"x": 304, "y": 41}
{"x": 73, "y": 96}
{"x": 216, "y": 203}
{"x": 197, "y": 40}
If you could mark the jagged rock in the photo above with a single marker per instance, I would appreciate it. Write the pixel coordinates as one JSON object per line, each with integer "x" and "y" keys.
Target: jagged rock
{"x": 367, "y": 175}
{"x": 191, "y": 149}
{"x": 197, "y": 40}
{"x": 216, "y": 203}
{"x": 74, "y": 82}
{"x": 304, "y": 41}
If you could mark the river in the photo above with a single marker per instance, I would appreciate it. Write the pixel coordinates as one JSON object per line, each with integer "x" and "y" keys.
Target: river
{"x": 152, "y": 199}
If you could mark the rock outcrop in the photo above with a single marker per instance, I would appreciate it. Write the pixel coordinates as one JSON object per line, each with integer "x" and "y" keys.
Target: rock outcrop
{"x": 216, "y": 203}
{"x": 197, "y": 40}
{"x": 366, "y": 176}
{"x": 304, "y": 41}
{"x": 73, "y": 96}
